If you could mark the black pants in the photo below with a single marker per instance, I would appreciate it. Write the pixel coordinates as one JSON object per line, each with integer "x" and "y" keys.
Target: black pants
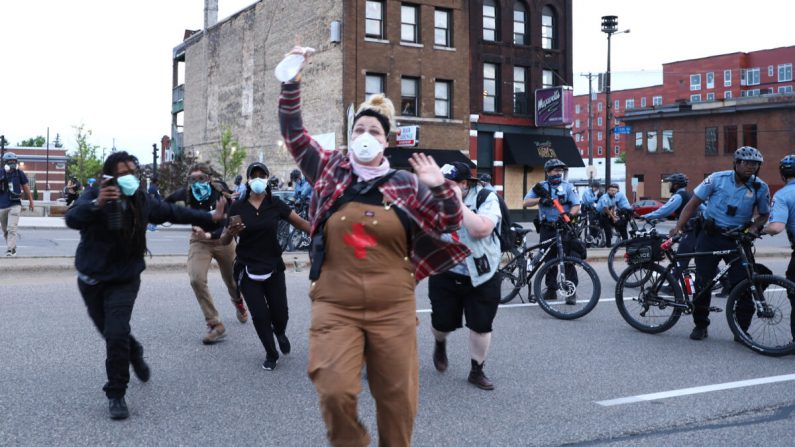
{"x": 549, "y": 232}
{"x": 110, "y": 306}
{"x": 707, "y": 268}
{"x": 267, "y": 303}
{"x": 608, "y": 224}
{"x": 687, "y": 244}
{"x": 453, "y": 298}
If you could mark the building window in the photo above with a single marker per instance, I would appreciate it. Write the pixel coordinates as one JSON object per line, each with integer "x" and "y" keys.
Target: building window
{"x": 547, "y": 78}
{"x": 729, "y": 139}
{"x": 442, "y": 35}
{"x": 548, "y": 29}
{"x": 710, "y": 96}
{"x": 599, "y": 136}
{"x": 442, "y": 94}
{"x": 711, "y": 141}
{"x": 373, "y": 83}
{"x": 520, "y": 100}
{"x": 599, "y": 121}
{"x": 727, "y": 94}
{"x": 629, "y": 104}
{"x": 519, "y": 23}
{"x": 576, "y": 124}
{"x": 577, "y": 108}
{"x": 784, "y": 72}
{"x": 749, "y": 76}
{"x": 667, "y": 140}
{"x": 695, "y": 82}
{"x": 727, "y": 78}
{"x": 489, "y": 20}
{"x": 616, "y": 150}
{"x": 711, "y": 80}
{"x": 656, "y": 100}
{"x": 616, "y": 105}
{"x": 409, "y": 96}
{"x": 616, "y": 136}
{"x": 651, "y": 139}
{"x": 638, "y": 141}
{"x": 374, "y": 19}
{"x": 749, "y": 135}
{"x": 599, "y": 150}
{"x": 785, "y": 89}
{"x": 643, "y": 102}
{"x": 599, "y": 106}
{"x": 490, "y": 88}
{"x": 752, "y": 92}
{"x": 770, "y": 71}
{"x": 409, "y": 17}
{"x": 695, "y": 98}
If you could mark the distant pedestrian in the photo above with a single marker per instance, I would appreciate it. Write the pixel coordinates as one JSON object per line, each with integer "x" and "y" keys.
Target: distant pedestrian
{"x": 13, "y": 185}
{"x": 91, "y": 182}
{"x": 109, "y": 261}
{"x": 240, "y": 187}
{"x": 154, "y": 194}
{"x": 73, "y": 187}
{"x": 484, "y": 180}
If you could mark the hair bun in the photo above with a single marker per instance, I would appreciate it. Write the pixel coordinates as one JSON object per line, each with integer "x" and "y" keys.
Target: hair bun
{"x": 381, "y": 104}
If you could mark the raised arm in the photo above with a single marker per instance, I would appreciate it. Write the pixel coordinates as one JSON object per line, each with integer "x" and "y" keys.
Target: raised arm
{"x": 311, "y": 158}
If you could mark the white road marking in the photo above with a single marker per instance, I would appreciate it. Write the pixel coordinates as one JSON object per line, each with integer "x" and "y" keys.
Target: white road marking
{"x": 695, "y": 390}
{"x": 505, "y": 306}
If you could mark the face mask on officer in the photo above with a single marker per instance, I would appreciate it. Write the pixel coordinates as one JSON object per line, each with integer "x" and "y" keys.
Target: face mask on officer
{"x": 128, "y": 184}
{"x": 201, "y": 191}
{"x": 10, "y": 167}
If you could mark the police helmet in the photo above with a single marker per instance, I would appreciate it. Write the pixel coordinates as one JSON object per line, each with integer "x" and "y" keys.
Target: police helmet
{"x": 748, "y": 153}
{"x": 613, "y": 185}
{"x": 274, "y": 181}
{"x": 554, "y": 163}
{"x": 596, "y": 183}
{"x": 787, "y": 166}
{"x": 9, "y": 156}
{"x": 677, "y": 178}
{"x": 295, "y": 174}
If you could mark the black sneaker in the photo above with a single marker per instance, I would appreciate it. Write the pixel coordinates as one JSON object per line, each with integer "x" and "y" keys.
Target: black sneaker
{"x": 699, "y": 333}
{"x": 269, "y": 365}
{"x": 118, "y": 408}
{"x": 284, "y": 343}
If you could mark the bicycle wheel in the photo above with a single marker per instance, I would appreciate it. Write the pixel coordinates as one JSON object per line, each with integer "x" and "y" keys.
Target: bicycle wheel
{"x": 299, "y": 240}
{"x": 646, "y": 306}
{"x": 512, "y": 274}
{"x": 569, "y": 294}
{"x": 765, "y": 327}
{"x": 283, "y": 234}
{"x": 616, "y": 263}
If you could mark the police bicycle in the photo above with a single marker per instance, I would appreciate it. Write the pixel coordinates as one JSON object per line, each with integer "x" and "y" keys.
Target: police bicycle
{"x": 758, "y": 309}
{"x": 587, "y": 228}
{"x": 565, "y": 287}
{"x": 617, "y": 257}
{"x": 289, "y": 237}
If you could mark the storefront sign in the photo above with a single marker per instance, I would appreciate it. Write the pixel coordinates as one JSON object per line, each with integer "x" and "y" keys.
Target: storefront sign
{"x": 554, "y": 106}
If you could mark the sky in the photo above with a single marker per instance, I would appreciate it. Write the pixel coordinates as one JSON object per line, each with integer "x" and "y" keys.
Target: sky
{"x": 106, "y": 64}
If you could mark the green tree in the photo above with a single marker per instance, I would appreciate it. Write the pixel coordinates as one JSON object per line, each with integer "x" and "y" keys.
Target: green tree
{"x": 37, "y": 141}
{"x": 57, "y": 142}
{"x": 622, "y": 158}
{"x": 172, "y": 175}
{"x": 83, "y": 162}
{"x": 231, "y": 156}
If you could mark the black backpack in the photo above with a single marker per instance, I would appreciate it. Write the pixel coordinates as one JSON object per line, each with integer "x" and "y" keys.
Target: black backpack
{"x": 505, "y": 233}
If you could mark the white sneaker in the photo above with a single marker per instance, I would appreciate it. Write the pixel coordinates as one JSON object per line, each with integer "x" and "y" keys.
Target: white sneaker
{"x": 11, "y": 253}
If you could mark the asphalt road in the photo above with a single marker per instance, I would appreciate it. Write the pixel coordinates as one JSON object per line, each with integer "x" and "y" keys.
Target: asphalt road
{"x": 550, "y": 378}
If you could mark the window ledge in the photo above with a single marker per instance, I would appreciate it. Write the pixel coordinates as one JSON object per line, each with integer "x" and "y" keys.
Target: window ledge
{"x": 436, "y": 47}
{"x": 417, "y": 119}
{"x": 411, "y": 44}
{"x": 374, "y": 40}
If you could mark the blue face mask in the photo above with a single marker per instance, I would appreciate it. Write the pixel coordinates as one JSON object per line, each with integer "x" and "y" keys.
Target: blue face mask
{"x": 257, "y": 185}
{"x": 128, "y": 184}
{"x": 555, "y": 179}
{"x": 201, "y": 191}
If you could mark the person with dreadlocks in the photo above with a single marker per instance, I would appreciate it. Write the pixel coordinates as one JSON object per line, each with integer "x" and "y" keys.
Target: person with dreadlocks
{"x": 110, "y": 258}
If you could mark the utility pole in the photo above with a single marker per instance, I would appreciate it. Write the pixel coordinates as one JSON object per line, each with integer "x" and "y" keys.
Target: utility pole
{"x": 47, "y": 163}
{"x": 154, "y": 159}
{"x": 590, "y": 118}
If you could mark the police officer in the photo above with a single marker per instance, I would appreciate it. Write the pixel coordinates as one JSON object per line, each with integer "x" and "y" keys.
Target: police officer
{"x": 611, "y": 208}
{"x": 675, "y": 204}
{"x": 543, "y": 194}
{"x": 591, "y": 195}
{"x": 782, "y": 216}
{"x": 302, "y": 189}
{"x": 732, "y": 197}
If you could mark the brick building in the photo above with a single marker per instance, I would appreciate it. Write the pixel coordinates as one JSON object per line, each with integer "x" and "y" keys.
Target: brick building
{"x": 714, "y": 83}
{"x": 421, "y": 55}
{"x": 43, "y": 165}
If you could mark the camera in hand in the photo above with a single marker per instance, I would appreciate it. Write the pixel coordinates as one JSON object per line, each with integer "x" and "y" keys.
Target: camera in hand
{"x": 113, "y": 211}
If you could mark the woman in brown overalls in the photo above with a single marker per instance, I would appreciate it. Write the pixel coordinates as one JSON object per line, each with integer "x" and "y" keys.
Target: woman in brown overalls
{"x": 375, "y": 234}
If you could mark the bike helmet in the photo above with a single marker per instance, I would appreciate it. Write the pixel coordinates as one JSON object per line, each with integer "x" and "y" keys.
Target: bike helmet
{"x": 274, "y": 182}
{"x": 677, "y": 178}
{"x": 748, "y": 153}
{"x": 787, "y": 166}
{"x": 596, "y": 184}
{"x": 9, "y": 156}
{"x": 613, "y": 185}
{"x": 295, "y": 175}
{"x": 554, "y": 163}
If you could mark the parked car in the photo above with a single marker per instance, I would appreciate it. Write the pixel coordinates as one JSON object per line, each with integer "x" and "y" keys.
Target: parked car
{"x": 642, "y": 207}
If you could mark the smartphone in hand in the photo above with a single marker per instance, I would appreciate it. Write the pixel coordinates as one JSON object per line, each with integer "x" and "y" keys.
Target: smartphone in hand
{"x": 235, "y": 220}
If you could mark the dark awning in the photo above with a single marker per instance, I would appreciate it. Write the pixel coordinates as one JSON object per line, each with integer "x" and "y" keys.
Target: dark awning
{"x": 399, "y": 156}
{"x": 535, "y": 150}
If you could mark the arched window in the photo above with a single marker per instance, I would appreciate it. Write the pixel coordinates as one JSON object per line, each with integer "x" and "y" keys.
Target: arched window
{"x": 519, "y": 23}
{"x": 548, "y": 31}
{"x": 490, "y": 15}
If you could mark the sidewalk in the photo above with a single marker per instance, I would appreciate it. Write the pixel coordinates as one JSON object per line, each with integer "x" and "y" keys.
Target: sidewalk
{"x": 39, "y": 222}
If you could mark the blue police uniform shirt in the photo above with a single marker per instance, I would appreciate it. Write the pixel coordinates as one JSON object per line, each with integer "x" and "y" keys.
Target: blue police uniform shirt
{"x": 303, "y": 190}
{"x": 619, "y": 201}
{"x": 589, "y": 197}
{"x": 564, "y": 192}
{"x": 720, "y": 192}
{"x": 670, "y": 206}
{"x": 13, "y": 195}
{"x": 783, "y": 208}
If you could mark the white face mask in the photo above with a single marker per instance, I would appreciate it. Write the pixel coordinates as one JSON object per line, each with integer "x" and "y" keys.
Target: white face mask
{"x": 365, "y": 148}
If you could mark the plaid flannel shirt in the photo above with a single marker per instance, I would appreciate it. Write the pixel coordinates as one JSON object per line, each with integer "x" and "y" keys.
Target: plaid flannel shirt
{"x": 434, "y": 210}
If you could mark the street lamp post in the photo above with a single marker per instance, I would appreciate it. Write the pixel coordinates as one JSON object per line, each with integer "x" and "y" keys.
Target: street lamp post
{"x": 610, "y": 27}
